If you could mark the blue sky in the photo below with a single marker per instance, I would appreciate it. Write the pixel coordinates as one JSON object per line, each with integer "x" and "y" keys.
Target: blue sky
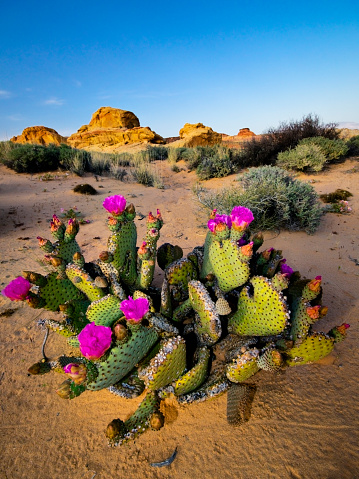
{"x": 229, "y": 64}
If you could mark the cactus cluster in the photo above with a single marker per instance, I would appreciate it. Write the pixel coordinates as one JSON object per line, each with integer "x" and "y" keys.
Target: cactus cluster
{"x": 225, "y": 312}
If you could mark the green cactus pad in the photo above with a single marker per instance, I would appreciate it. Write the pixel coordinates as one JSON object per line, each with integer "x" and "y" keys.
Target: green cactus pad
{"x": 239, "y": 403}
{"x": 195, "y": 376}
{"x": 168, "y": 365}
{"x": 262, "y": 314}
{"x": 66, "y": 251}
{"x": 230, "y": 268}
{"x": 270, "y": 360}
{"x": 58, "y": 291}
{"x": 105, "y": 311}
{"x": 213, "y": 387}
{"x": 138, "y": 423}
{"x": 243, "y": 366}
{"x": 207, "y": 325}
{"x": 123, "y": 358}
{"x": 84, "y": 282}
{"x": 311, "y": 349}
{"x": 167, "y": 254}
{"x": 122, "y": 244}
{"x": 129, "y": 387}
{"x": 178, "y": 274}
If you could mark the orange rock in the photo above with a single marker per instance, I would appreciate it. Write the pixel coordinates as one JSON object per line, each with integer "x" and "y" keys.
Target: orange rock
{"x": 245, "y": 133}
{"x": 40, "y": 135}
{"x": 108, "y": 117}
{"x": 197, "y": 134}
{"x": 103, "y": 139}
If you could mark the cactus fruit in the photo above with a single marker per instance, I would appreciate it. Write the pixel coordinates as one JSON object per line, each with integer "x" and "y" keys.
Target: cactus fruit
{"x": 242, "y": 310}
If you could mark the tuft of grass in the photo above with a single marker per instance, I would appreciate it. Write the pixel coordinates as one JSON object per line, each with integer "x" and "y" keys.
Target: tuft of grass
{"x": 144, "y": 175}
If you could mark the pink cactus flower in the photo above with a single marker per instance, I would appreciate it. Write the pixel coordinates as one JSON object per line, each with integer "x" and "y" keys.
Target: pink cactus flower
{"x": 94, "y": 340}
{"x": 115, "y": 204}
{"x": 285, "y": 268}
{"x": 134, "y": 309}
{"x": 219, "y": 222}
{"x": 17, "y": 289}
{"x": 241, "y": 217}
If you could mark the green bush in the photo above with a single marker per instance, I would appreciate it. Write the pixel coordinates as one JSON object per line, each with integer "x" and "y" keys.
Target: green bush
{"x": 264, "y": 150}
{"x": 353, "y": 146}
{"x": 32, "y": 158}
{"x": 276, "y": 199}
{"x": 303, "y": 157}
{"x": 145, "y": 176}
{"x": 331, "y": 149}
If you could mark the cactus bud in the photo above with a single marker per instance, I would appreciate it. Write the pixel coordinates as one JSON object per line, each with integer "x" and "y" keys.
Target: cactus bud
{"x": 101, "y": 282}
{"x": 115, "y": 428}
{"x": 56, "y": 261}
{"x": 314, "y": 285}
{"x": 130, "y": 209}
{"x": 64, "y": 390}
{"x": 39, "y": 368}
{"x": 72, "y": 228}
{"x": 106, "y": 257}
{"x": 120, "y": 332}
{"x": 45, "y": 244}
{"x": 313, "y": 312}
{"x": 247, "y": 249}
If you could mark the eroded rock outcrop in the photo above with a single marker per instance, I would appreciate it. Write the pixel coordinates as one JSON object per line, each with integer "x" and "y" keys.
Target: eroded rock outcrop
{"x": 111, "y": 128}
{"x": 244, "y": 134}
{"x": 108, "y": 117}
{"x": 197, "y": 134}
{"x": 40, "y": 135}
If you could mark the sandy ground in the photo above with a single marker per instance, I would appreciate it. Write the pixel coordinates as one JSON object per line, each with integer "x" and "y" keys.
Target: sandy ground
{"x": 304, "y": 422}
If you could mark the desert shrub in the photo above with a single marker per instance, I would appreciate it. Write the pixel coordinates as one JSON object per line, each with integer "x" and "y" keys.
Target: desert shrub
{"x": 331, "y": 149}
{"x": 85, "y": 189}
{"x": 276, "y": 199}
{"x": 118, "y": 172}
{"x": 303, "y": 157}
{"x": 353, "y": 146}
{"x": 215, "y": 166}
{"x": 336, "y": 196}
{"x": 151, "y": 153}
{"x": 264, "y": 150}
{"x": 5, "y": 148}
{"x": 99, "y": 163}
{"x": 175, "y": 154}
{"x": 30, "y": 158}
{"x": 143, "y": 175}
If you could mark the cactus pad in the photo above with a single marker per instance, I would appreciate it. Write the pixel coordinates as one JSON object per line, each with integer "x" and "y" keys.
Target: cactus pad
{"x": 195, "y": 376}
{"x": 167, "y": 365}
{"x": 262, "y": 314}
{"x": 207, "y": 325}
{"x": 58, "y": 291}
{"x": 243, "y": 366}
{"x": 311, "y": 349}
{"x": 105, "y": 311}
{"x": 229, "y": 265}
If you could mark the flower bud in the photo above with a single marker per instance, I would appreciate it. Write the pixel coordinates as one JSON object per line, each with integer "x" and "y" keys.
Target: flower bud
{"x": 314, "y": 285}
{"x": 130, "y": 209}
{"x": 64, "y": 390}
{"x": 115, "y": 428}
{"x": 247, "y": 249}
{"x": 56, "y": 261}
{"x": 120, "y": 332}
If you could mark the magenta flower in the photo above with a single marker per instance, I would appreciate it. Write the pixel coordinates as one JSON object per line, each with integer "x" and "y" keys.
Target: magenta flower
{"x": 135, "y": 309}
{"x": 219, "y": 223}
{"x": 115, "y": 204}
{"x": 285, "y": 268}
{"x": 17, "y": 289}
{"x": 241, "y": 217}
{"x": 94, "y": 340}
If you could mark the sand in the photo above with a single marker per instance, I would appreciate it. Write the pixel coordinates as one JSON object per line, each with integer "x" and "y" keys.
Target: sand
{"x": 304, "y": 422}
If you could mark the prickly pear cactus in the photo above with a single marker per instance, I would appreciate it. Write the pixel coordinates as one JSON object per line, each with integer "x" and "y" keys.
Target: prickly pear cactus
{"x": 225, "y": 312}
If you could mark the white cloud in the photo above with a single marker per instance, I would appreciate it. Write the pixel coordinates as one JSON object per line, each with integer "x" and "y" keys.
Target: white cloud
{"x": 54, "y": 101}
{"x": 5, "y": 94}
{"x": 352, "y": 125}
{"x": 16, "y": 117}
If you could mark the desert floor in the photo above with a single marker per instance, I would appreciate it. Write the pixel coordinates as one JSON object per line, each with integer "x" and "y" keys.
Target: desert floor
{"x": 304, "y": 422}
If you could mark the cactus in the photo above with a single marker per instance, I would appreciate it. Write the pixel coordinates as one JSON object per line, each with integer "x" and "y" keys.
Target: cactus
{"x": 242, "y": 310}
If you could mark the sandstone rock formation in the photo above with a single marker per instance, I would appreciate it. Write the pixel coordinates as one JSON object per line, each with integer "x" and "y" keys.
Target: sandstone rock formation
{"x": 197, "y": 134}
{"x": 235, "y": 141}
{"x": 346, "y": 133}
{"x": 108, "y": 117}
{"x": 111, "y": 129}
{"x": 40, "y": 135}
{"x": 111, "y": 138}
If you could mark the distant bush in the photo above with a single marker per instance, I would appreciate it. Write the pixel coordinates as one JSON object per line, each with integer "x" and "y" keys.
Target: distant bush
{"x": 331, "y": 149}
{"x": 32, "y": 158}
{"x": 303, "y": 157}
{"x": 312, "y": 154}
{"x": 264, "y": 150}
{"x": 353, "y": 146}
{"x": 276, "y": 199}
